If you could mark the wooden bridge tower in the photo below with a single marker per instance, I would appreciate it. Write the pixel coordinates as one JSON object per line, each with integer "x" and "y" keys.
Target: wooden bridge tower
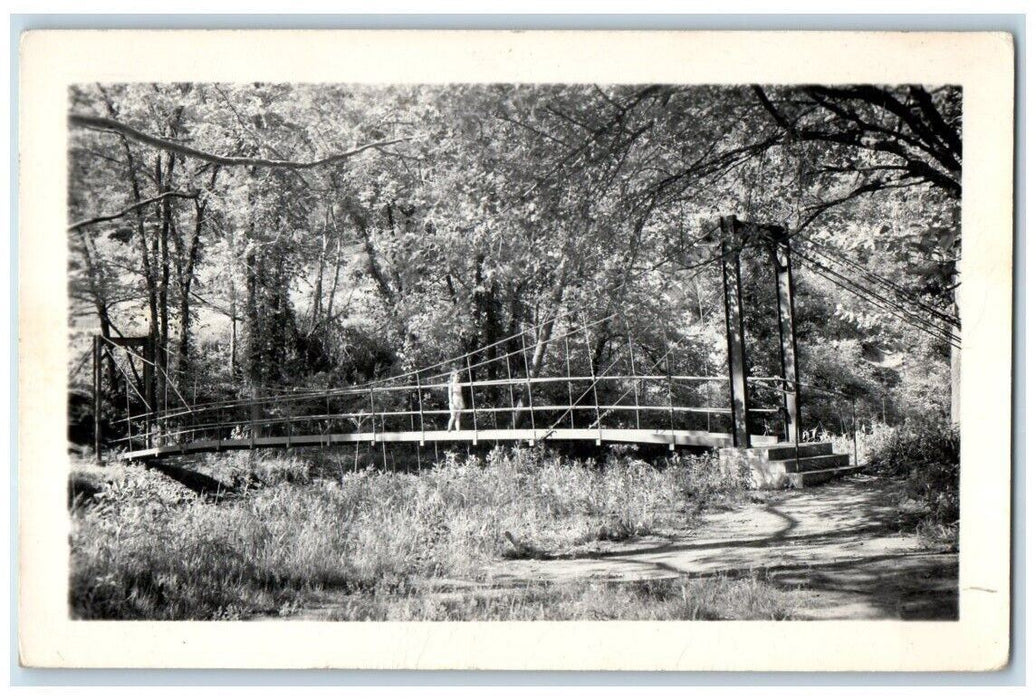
{"x": 737, "y": 237}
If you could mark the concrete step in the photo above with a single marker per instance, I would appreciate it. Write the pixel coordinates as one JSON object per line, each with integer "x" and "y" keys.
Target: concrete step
{"x": 809, "y": 464}
{"x": 786, "y": 450}
{"x": 819, "y": 476}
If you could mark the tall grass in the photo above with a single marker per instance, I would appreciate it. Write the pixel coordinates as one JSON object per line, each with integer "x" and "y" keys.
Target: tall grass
{"x": 871, "y": 440}
{"x": 925, "y": 456}
{"x": 149, "y": 550}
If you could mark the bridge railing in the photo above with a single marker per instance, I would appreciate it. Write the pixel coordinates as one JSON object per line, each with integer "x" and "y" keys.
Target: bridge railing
{"x": 655, "y": 402}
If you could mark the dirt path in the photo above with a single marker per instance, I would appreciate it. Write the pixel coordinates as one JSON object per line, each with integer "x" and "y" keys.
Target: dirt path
{"x": 832, "y": 545}
{"x": 833, "y": 541}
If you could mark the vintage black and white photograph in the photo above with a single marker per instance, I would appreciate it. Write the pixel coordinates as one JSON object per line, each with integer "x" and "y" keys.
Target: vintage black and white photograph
{"x": 513, "y": 350}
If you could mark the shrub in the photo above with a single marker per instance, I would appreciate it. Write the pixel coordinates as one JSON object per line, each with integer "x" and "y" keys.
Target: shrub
{"x": 702, "y": 482}
{"x": 249, "y": 468}
{"x": 926, "y": 456}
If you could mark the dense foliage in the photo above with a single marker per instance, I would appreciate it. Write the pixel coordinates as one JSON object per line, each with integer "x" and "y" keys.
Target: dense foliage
{"x": 925, "y": 455}
{"x": 273, "y": 236}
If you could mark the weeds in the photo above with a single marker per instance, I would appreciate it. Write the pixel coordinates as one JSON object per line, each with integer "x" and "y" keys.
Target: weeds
{"x": 150, "y": 549}
{"x": 871, "y": 440}
{"x": 926, "y": 457}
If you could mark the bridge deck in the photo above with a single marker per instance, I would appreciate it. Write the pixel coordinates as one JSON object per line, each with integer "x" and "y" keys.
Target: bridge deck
{"x": 682, "y": 438}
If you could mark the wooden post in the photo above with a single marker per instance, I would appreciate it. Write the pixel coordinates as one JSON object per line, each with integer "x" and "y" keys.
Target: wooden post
{"x": 730, "y": 263}
{"x": 568, "y": 373}
{"x": 97, "y": 398}
{"x": 410, "y": 410}
{"x": 781, "y": 251}
{"x": 856, "y": 455}
{"x": 672, "y": 413}
{"x": 150, "y": 387}
{"x": 510, "y": 389}
{"x": 374, "y": 428}
{"x": 129, "y": 424}
{"x": 633, "y": 371}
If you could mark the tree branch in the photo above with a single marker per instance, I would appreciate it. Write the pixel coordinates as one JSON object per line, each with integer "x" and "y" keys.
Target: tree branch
{"x": 863, "y": 137}
{"x": 865, "y": 188}
{"x": 102, "y": 124}
{"x": 928, "y": 140}
{"x": 132, "y": 207}
{"x": 948, "y": 134}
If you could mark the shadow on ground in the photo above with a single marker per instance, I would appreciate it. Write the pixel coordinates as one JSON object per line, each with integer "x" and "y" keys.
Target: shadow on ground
{"x": 838, "y": 545}
{"x": 201, "y": 484}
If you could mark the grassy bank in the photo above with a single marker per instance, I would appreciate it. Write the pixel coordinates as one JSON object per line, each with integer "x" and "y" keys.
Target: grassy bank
{"x": 147, "y": 548}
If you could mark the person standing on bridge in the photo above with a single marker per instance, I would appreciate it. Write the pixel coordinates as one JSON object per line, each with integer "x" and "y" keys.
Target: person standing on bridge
{"x": 455, "y": 394}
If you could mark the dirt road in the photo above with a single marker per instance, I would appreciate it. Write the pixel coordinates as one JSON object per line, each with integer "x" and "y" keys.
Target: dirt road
{"x": 833, "y": 542}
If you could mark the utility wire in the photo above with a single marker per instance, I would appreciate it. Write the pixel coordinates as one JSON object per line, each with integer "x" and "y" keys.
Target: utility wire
{"x": 904, "y": 296}
{"x": 888, "y": 304}
{"x": 892, "y": 312}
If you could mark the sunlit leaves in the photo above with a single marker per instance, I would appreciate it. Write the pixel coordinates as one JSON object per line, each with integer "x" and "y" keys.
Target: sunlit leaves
{"x": 509, "y": 204}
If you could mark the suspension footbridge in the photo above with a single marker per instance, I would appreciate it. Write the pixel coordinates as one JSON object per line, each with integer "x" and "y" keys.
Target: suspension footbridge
{"x": 545, "y": 383}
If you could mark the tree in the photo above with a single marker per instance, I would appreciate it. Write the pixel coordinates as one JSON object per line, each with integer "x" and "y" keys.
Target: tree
{"x": 244, "y": 229}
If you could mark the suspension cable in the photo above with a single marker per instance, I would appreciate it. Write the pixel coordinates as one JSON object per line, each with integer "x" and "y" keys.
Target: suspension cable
{"x": 879, "y": 300}
{"x": 903, "y": 293}
{"x": 869, "y": 296}
{"x": 875, "y": 299}
{"x": 156, "y": 366}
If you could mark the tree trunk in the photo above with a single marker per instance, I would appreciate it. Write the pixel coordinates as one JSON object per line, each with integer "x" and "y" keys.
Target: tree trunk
{"x": 955, "y": 352}
{"x": 546, "y": 331}
{"x": 165, "y": 213}
{"x": 318, "y": 286}
{"x": 99, "y": 299}
{"x": 150, "y": 281}
{"x": 233, "y": 331}
{"x": 373, "y": 264}
{"x": 186, "y": 276}
{"x": 955, "y": 361}
{"x": 334, "y": 281}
